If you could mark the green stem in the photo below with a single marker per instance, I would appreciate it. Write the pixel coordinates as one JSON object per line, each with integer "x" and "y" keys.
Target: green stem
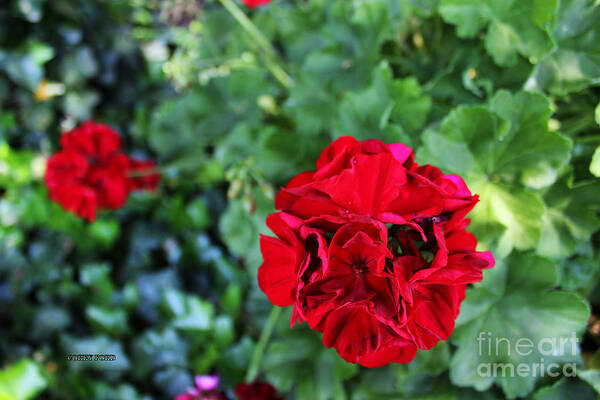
{"x": 261, "y": 346}
{"x": 261, "y": 40}
{"x": 573, "y": 126}
{"x": 588, "y": 139}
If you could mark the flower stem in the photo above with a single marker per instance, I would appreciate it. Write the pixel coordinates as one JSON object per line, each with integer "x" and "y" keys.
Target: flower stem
{"x": 576, "y": 125}
{"x": 259, "y": 350}
{"x": 588, "y": 139}
{"x": 260, "y": 39}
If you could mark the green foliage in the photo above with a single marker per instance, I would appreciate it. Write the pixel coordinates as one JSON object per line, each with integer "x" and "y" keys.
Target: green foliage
{"x": 565, "y": 388}
{"x": 503, "y": 93}
{"x": 512, "y": 27}
{"x": 506, "y": 151}
{"x": 515, "y": 303}
{"x": 575, "y": 61}
{"x": 21, "y": 381}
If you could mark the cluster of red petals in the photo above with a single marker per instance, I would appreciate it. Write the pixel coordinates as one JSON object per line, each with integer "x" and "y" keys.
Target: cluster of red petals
{"x": 256, "y": 391}
{"x": 92, "y": 173}
{"x": 371, "y": 250}
{"x": 255, "y": 3}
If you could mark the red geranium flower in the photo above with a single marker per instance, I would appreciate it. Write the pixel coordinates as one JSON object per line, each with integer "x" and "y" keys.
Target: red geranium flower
{"x": 371, "y": 250}
{"x": 92, "y": 173}
{"x": 255, "y": 3}
{"x": 256, "y": 391}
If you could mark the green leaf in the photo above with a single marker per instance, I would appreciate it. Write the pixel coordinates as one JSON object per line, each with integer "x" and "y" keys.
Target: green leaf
{"x": 513, "y": 27}
{"x": 515, "y": 308}
{"x": 105, "y": 232}
{"x": 578, "y": 272}
{"x": 109, "y": 320}
{"x": 509, "y": 137}
{"x": 223, "y": 332}
{"x": 198, "y": 214}
{"x": 21, "y": 381}
{"x": 311, "y": 106}
{"x": 231, "y": 300}
{"x": 189, "y": 311}
{"x": 98, "y": 344}
{"x": 96, "y": 277}
{"x": 492, "y": 148}
{"x": 569, "y": 218}
{"x": 432, "y": 362}
{"x": 595, "y": 164}
{"x": 49, "y": 320}
{"x": 575, "y": 61}
{"x": 529, "y": 144}
{"x": 26, "y": 66}
{"x": 592, "y": 377}
{"x": 158, "y": 349}
{"x": 385, "y": 110}
{"x": 80, "y": 105}
{"x": 566, "y": 388}
{"x": 240, "y": 230}
{"x": 202, "y": 115}
{"x": 31, "y": 9}
{"x": 235, "y": 360}
{"x": 318, "y": 372}
{"x": 280, "y": 153}
{"x": 354, "y": 33}
{"x": 517, "y": 211}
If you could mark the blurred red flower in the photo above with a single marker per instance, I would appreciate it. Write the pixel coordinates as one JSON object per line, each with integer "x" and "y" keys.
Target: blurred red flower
{"x": 92, "y": 173}
{"x": 255, "y": 3}
{"x": 256, "y": 391}
{"x": 371, "y": 250}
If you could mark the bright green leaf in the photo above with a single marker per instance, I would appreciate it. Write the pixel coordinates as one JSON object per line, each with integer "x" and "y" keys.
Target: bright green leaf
{"x": 492, "y": 147}
{"x": 21, "y": 381}
{"x": 595, "y": 164}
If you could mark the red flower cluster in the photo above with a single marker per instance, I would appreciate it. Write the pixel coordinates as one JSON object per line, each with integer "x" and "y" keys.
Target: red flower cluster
{"x": 255, "y": 3}
{"x": 91, "y": 172}
{"x": 205, "y": 388}
{"x": 371, "y": 250}
{"x": 256, "y": 391}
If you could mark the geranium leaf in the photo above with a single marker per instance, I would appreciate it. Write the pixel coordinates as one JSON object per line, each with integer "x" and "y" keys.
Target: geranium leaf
{"x": 21, "y": 381}
{"x": 575, "y": 61}
{"x": 493, "y": 147}
{"x": 570, "y": 217}
{"x": 373, "y": 112}
{"x": 565, "y": 388}
{"x": 319, "y": 371}
{"x": 595, "y": 164}
{"x": 513, "y": 27}
{"x": 526, "y": 311}
{"x": 592, "y": 377}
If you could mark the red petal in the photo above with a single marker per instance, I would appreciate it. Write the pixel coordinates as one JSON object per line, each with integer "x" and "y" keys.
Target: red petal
{"x": 366, "y": 189}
